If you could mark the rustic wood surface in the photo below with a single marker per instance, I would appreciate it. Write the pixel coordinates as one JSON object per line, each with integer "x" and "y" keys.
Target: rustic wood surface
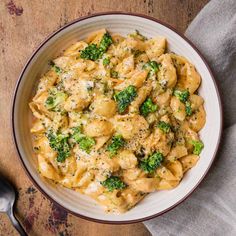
{"x": 23, "y": 25}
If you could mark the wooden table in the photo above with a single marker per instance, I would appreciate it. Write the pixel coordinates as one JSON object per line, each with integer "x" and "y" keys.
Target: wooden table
{"x": 23, "y": 25}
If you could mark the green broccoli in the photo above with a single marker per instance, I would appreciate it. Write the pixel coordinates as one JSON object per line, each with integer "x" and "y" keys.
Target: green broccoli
{"x": 85, "y": 143}
{"x": 182, "y": 95}
{"x": 49, "y": 103}
{"x": 94, "y": 52}
{"x": 105, "y": 42}
{"x": 91, "y": 52}
{"x": 153, "y": 66}
{"x": 198, "y": 146}
{"x": 57, "y": 69}
{"x": 150, "y": 164}
{"x": 106, "y": 61}
{"x": 117, "y": 142}
{"x": 164, "y": 127}
{"x": 54, "y": 99}
{"x": 125, "y": 97}
{"x": 112, "y": 183}
{"x": 188, "y": 108}
{"x": 148, "y": 107}
{"x": 60, "y": 144}
{"x": 77, "y": 133}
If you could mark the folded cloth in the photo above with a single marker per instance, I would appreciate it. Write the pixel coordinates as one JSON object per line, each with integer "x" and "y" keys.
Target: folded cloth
{"x": 211, "y": 209}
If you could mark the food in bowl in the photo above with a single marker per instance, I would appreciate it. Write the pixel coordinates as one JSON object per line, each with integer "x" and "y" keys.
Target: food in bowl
{"x": 117, "y": 118}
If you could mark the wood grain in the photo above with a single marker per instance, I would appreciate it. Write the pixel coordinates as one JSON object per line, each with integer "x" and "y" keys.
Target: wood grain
{"x": 23, "y": 25}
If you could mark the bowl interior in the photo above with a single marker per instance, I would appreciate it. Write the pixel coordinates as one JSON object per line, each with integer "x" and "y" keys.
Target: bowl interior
{"x": 154, "y": 203}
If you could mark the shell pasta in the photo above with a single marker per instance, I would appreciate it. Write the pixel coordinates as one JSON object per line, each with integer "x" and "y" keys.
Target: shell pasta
{"x": 116, "y": 118}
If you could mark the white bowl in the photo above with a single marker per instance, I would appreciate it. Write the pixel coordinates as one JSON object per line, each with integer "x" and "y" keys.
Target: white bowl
{"x": 155, "y": 203}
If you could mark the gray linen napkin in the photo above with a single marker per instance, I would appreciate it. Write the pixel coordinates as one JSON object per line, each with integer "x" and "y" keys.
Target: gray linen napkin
{"x": 211, "y": 209}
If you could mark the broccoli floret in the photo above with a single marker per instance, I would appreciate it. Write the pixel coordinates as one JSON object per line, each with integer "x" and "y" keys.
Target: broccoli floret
{"x": 105, "y": 42}
{"x": 91, "y": 52}
{"x": 182, "y": 95}
{"x": 112, "y": 183}
{"x": 106, "y": 61}
{"x": 152, "y": 162}
{"x": 117, "y": 142}
{"x": 153, "y": 66}
{"x": 60, "y": 144}
{"x": 164, "y": 127}
{"x": 198, "y": 146}
{"x": 57, "y": 69}
{"x": 148, "y": 107}
{"x": 77, "y": 133}
{"x": 188, "y": 108}
{"x": 94, "y": 52}
{"x": 49, "y": 103}
{"x": 85, "y": 143}
{"x": 125, "y": 97}
{"x": 55, "y": 98}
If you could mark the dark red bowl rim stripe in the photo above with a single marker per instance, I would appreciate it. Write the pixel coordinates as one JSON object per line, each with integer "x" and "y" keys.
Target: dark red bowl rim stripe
{"x": 19, "y": 81}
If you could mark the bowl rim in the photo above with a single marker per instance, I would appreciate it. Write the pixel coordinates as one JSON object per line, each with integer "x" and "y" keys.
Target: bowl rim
{"x": 146, "y": 17}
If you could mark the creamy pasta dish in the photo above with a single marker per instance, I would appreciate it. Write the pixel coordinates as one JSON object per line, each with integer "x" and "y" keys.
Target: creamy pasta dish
{"x": 116, "y": 118}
